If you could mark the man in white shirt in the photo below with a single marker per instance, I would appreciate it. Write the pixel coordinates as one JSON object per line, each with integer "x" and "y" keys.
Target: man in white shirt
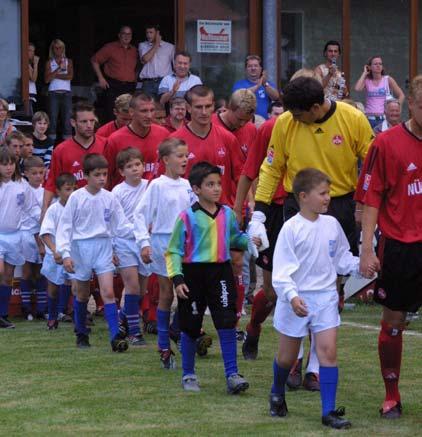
{"x": 156, "y": 57}
{"x": 179, "y": 82}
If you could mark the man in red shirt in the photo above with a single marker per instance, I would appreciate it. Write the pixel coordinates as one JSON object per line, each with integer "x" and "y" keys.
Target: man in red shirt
{"x": 390, "y": 188}
{"x": 141, "y": 133}
{"x": 67, "y": 157}
{"x": 118, "y": 59}
{"x": 121, "y": 112}
{"x": 237, "y": 119}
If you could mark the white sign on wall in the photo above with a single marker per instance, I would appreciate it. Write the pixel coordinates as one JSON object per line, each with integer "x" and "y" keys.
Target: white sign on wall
{"x": 214, "y": 36}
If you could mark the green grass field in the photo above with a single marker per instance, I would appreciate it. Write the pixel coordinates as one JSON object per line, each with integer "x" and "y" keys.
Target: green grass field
{"x": 50, "y": 387}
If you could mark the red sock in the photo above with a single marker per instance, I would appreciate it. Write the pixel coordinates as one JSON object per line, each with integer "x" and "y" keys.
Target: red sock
{"x": 390, "y": 342}
{"x": 261, "y": 308}
{"x": 240, "y": 288}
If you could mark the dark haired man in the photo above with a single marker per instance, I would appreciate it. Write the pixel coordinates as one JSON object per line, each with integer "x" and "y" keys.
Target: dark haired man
{"x": 177, "y": 83}
{"x": 256, "y": 80}
{"x": 156, "y": 57}
{"x": 331, "y": 76}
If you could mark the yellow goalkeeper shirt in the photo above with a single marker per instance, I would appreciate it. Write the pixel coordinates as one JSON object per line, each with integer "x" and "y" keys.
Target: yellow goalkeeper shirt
{"x": 332, "y": 145}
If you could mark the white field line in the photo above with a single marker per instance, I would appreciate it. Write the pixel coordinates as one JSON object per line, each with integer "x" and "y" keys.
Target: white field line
{"x": 376, "y": 328}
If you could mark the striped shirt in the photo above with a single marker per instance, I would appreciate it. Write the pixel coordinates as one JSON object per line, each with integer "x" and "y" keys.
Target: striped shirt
{"x": 201, "y": 237}
{"x": 43, "y": 149}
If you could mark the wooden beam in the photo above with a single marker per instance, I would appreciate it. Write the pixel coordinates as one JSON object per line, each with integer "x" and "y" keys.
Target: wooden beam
{"x": 345, "y": 36}
{"x": 255, "y": 27}
{"x": 413, "y": 46}
{"x": 24, "y": 54}
{"x": 179, "y": 25}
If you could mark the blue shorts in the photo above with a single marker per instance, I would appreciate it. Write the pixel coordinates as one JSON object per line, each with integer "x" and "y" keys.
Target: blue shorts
{"x": 11, "y": 250}
{"x": 30, "y": 248}
{"x": 55, "y": 273}
{"x": 159, "y": 244}
{"x": 93, "y": 254}
{"x": 129, "y": 255}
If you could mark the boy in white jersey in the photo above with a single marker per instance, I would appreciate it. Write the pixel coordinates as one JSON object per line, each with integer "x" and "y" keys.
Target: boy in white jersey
{"x": 52, "y": 265}
{"x": 33, "y": 249}
{"x": 133, "y": 271}
{"x": 311, "y": 250}
{"x": 165, "y": 198}
{"x": 91, "y": 218}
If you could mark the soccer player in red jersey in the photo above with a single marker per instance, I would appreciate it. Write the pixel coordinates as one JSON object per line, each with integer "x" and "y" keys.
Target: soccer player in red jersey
{"x": 391, "y": 190}
{"x": 123, "y": 118}
{"x": 140, "y": 133}
{"x": 67, "y": 157}
{"x": 237, "y": 119}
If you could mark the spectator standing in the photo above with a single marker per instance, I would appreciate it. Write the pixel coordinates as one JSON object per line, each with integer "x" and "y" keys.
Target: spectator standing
{"x": 256, "y": 80}
{"x": 378, "y": 88}
{"x": 156, "y": 57}
{"x": 392, "y": 113}
{"x": 33, "y": 76}
{"x": 58, "y": 75}
{"x": 118, "y": 60}
{"x": 6, "y": 126}
{"x": 178, "y": 83}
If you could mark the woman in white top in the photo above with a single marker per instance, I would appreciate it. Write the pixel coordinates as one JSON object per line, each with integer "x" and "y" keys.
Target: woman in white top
{"x": 6, "y": 126}
{"x": 33, "y": 76}
{"x": 378, "y": 87}
{"x": 58, "y": 75}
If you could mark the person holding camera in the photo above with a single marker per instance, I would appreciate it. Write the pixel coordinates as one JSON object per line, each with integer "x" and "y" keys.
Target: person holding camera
{"x": 379, "y": 88}
{"x": 332, "y": 78}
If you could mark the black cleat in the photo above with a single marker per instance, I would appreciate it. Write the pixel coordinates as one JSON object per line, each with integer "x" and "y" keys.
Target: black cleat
{"x": 151, "y": 327}
{"x": 137, "y": 340}
{"x": 250, "y": 347}
{"x": 236, "y": 384}
{"x": 123, "y": 328}
{"x": 202, "y": 344}
{"x": 278, "y": 406}
{"x": 334, "y": 419}
{"x": 167, "y": 359}
{"x": 391, "y": 410}
{"x": 82, "y": 341}
{"x": 240, "y": 335}
{"x": 294, "y": 380}
{"x": 311, "y": 382}
{"x": 119, "y": 344}
{"x": 5, "y": 323}
{"x": 52, "y": 325}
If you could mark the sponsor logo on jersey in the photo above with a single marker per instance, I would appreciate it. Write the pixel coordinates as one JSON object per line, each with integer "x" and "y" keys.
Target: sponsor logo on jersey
{"x": 270, "y": 155}
{"x": 412, "y": 167}
{"x": 337, "y": 140}
{"x": 191, "y": 156}
{"x": 76, "y": 164}
{"x": 79, "y": 175}
{"x": 221, "y": 151}
{"x": 149, "y": 166}
{"x": 319, "y": 131}
{"x": 414, "y": 188}
{"x": 366, "y": 181}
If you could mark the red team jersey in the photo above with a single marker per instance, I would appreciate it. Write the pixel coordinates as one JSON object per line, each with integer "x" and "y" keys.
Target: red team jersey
{"x": 148, "y": 145}
{"x": 257, "y": 154}
{"x": 107, "y": 129}
{"x": 67, "y": 157}
{"x": 245, "y": 135}
{"x": 391, "y": 181}
{"x": 219, "y": 148}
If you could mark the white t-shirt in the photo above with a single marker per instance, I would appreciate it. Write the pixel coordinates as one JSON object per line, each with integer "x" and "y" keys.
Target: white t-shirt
{"x": 161, "y": 63}
{"x": 164, "y": 199}
{"x": 17, "y": 202}
{"x": 51, "y": 222}
{"x": 188, "y": 82}
{"x": 308, "y": 256}
{"x": 89, "y": 215}
{"x": 129, "y": 196}
{"x": 31, "y": 222}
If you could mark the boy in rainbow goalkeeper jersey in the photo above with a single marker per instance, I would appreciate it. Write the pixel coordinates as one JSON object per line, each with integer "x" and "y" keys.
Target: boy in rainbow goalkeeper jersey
{"x": 198, "y": 262}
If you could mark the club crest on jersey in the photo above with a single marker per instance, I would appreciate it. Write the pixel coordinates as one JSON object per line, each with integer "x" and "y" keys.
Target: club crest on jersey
{"x": 331, "y": 248}
{"x": 107, "y": 215}
{"x": 221, "y": 152}
{"x": 270, "y": 155}
{"x": 20, "y": 199}
{"x": 337, "y": 140}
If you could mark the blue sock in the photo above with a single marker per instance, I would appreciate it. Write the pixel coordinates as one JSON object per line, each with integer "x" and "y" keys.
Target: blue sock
{"x": 328, "y": 380}
{"x": 280, "y": 375}
{"x": 163, "y": 322}
{"x": 5, "y": 293}
{"x": 41, "y": 287}
{"x": 112, "y": 317}
{"x": 131, "y": 312}
{"x": 26, "y": 290}
{"x": 52, "y": 308}
{"x": 79, "y": 313}
{"x": 64, "y": 295}
{"x": 188, "y": 354}
{"x": 174, "y": 326}
{"x": 228, "y": 347}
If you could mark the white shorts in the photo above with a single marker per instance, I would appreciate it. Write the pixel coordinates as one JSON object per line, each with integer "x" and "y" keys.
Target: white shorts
{"x": 159, "y": 244}
{"x": 30, "y": 248}
{"x": 11, "y": 250}
{"x": 55, "y": 273}
{"x": 93, "y": 254}
{"x": 129, "y": 255}
{"x": 322, "y": 314}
